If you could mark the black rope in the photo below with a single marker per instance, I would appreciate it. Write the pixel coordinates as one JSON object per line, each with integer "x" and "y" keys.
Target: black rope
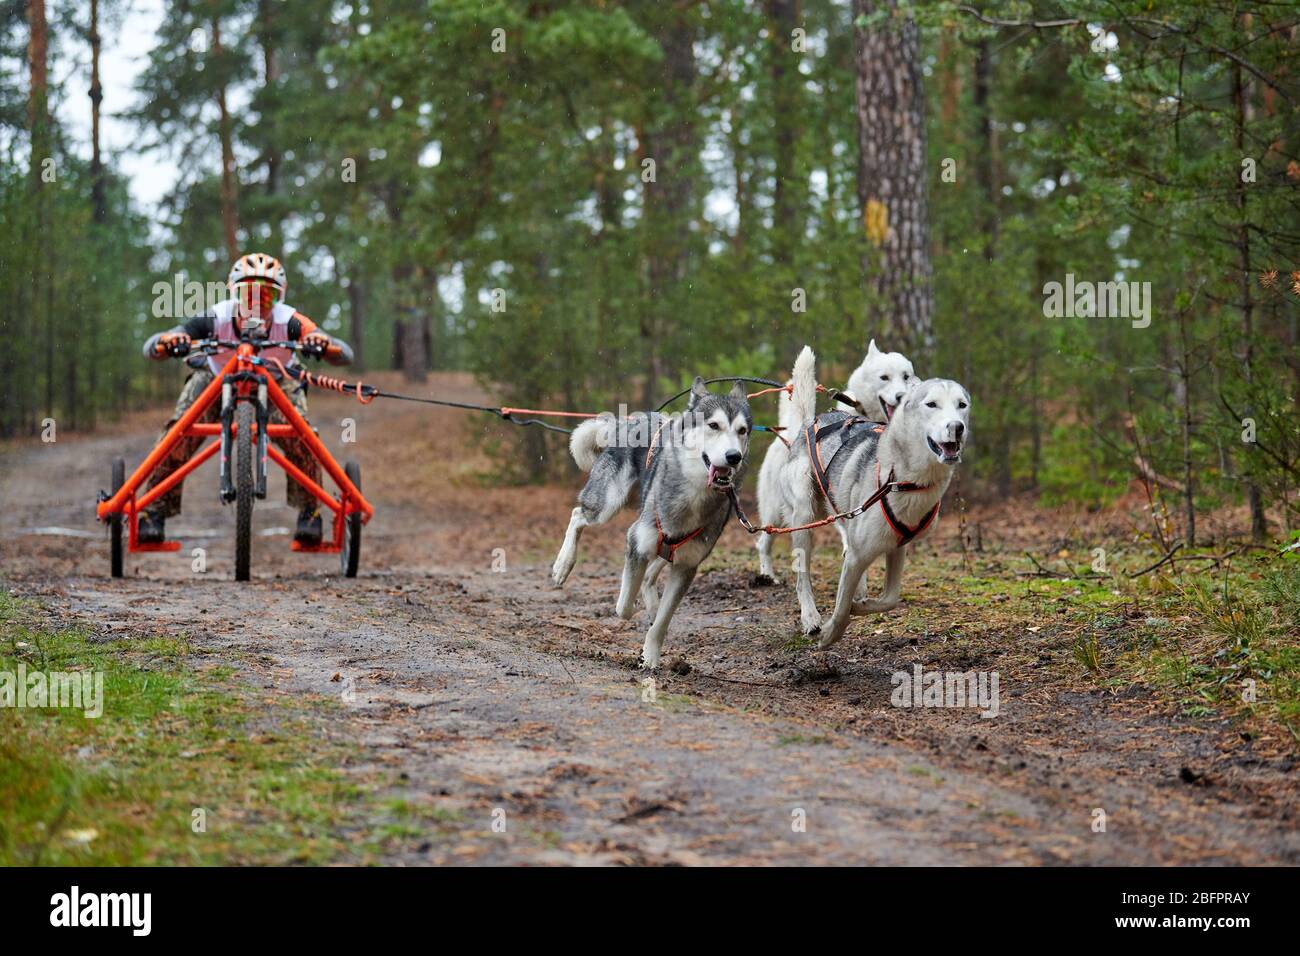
{"x": 522, "y": 422}
{"x": 726, "y": 378}
{"x": 370, "y": 391}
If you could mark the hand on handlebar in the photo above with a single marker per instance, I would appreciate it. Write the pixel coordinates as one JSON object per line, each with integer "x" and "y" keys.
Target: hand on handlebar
{"x": 317, "y": 344}
{"x": 173, "y": 343}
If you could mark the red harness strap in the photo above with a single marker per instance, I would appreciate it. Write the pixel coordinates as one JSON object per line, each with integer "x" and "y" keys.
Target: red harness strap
{"x": 666, "y": 546}
{"x": 905, "y": 533}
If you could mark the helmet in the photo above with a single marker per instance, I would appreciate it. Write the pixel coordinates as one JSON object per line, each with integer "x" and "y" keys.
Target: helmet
{"x": 257, "y": 281}
{"x": 258, "y": 265}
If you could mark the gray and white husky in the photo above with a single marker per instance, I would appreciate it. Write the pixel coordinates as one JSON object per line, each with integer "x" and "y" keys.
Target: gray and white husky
{"x": 877, "y": 386}
{"x": 686, "y": 467}
{"x": 919, "y": 449}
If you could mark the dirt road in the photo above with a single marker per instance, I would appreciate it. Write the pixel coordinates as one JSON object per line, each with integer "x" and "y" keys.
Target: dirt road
{"x": 476, "y": 688}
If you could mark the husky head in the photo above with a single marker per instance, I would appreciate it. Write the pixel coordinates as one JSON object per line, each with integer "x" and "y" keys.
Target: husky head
{"x": 881, "y": 381}
{"x": 717, "y": 427}
{"x": 939, "y": 409}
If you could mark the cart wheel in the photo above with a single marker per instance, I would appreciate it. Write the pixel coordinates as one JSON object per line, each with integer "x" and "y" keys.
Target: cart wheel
{"x": 245, "y": 451}
{"x": 115, "y": 522}
{"x": 350, "y": 556}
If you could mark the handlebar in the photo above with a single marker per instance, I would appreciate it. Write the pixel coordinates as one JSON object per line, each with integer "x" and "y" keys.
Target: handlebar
{"x": 212, "y": 346}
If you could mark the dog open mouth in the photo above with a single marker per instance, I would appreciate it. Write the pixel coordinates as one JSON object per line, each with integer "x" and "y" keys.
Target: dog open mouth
{"x": 948, "y": 452}
{"x": 888, "y": 410}
{"x": 719, "y": 475}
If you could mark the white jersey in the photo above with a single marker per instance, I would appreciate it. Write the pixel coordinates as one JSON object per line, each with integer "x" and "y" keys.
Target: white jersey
{"x": 223, "y": 330}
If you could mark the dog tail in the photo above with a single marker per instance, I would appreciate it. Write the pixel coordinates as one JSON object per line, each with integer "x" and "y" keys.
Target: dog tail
{"x": 588, "y": 440}
{"x": 787, "y": 416}
{"x": 803, "y": 398}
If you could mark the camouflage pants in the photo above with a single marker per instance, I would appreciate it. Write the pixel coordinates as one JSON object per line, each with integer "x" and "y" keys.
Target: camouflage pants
{"x": 294, "y": 449}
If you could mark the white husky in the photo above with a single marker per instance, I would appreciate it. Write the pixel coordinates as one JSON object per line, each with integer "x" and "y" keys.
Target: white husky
{"x": 877, "y": 385}
{"x": 918, "y": 450}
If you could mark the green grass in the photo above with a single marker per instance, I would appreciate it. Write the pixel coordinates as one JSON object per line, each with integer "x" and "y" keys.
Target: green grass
{"x": 175, "y": 739}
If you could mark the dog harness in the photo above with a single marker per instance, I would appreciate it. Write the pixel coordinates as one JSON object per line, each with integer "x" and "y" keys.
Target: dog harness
{"x": 824, "y": 443}
{"x": 666, "y": 547}
{"x": 905, "y": 533}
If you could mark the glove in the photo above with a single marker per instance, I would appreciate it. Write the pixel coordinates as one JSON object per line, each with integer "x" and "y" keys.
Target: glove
{"x": 172, "y": 343}
{"x": 317, "y": 344}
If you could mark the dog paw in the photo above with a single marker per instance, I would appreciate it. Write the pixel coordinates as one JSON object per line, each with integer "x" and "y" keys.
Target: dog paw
{"x": 866, "y": 606}
{"x": 828, "y": 641}
{"x": 762, "y": 580}
{"x": 647, "y": 665}
{"x": 559, "y": 574}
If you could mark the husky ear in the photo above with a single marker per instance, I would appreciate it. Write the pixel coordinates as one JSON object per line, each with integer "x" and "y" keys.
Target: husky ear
{"x": 871, "y": 348}
{"x": 698, "y": 388}
{"x": 738, "y": 392}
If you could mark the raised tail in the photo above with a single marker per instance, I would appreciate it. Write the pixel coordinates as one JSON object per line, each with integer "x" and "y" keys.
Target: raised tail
{"x": 803, "y": 398}
{"x": 589, "y": 439}
{"x": 786, "y": 416}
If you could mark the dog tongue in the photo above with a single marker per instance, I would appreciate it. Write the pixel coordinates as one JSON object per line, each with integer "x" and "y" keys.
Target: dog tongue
{"x": 715, "y": 471}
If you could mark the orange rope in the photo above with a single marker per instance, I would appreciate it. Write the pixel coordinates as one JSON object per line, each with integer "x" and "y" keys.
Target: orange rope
{"x": 781, "y": 388}
{"x": 327, "y": 381}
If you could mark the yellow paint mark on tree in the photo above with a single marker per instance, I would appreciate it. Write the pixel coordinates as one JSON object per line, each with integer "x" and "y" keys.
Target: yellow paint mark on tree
{"x": 875, "y": 220}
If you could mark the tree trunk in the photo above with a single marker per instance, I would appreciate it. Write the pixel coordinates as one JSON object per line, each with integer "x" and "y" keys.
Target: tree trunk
{"x": 270, "y": 73}
{"x": 38, "y": 123}
{"x": 98, "y": 200}
{"x": 357, "y": 321}
{"x": 229, "y": 209}
{"x": 986, "y": 168}
{"x": 415, "y": 365}
{"x": 670, "y": 141}
{"x": 1184, "y": 392}
{"x": 787, "y": 198}
{"x": 892, "y": 177}
{"x": 1241, "y": 97}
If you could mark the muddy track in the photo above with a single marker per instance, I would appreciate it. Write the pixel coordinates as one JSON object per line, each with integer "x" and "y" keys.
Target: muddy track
{"x": 473, "y": 687}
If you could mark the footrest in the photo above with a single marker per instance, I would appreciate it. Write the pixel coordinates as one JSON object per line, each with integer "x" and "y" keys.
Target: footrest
{"x": 325, "y": 547}
{"x": 157, "y": 546}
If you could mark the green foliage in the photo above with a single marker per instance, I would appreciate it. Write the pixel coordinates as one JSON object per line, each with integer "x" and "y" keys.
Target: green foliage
{"x": 472, "y": 179}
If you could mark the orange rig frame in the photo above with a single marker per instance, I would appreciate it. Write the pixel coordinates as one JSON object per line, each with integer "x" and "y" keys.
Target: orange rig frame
{"x": 129, "y": 502}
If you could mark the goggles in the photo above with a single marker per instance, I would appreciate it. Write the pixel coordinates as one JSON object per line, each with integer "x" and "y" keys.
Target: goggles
{"x": 257, "y": 297}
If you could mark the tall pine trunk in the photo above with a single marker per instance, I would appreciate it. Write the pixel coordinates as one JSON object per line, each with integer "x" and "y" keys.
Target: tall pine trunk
{"x": 270, "y": 74}
{"x": 892, "y": 177}
{"x": 1241, "y": 90}
{"x": 39, "y": 124}
{"x": 783, "y": 65}
{"x": 229, "y": 207}
{"x": 671, "y": 141}
{"x": 98, "y": 200}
